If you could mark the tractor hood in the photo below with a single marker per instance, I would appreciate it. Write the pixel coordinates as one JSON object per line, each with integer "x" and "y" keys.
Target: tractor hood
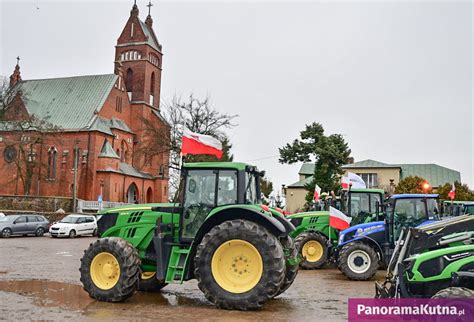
{"x": 360, "y": 231}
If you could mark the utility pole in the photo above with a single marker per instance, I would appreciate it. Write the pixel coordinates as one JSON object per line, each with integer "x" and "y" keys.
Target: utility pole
{"x": 74, "y": 183}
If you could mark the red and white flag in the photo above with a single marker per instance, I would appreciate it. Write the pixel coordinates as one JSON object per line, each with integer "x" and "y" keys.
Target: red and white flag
{"x": 452, "y": 193}
{"x": 345, "y": 182}
{"x": 338, "y": 220}
{"x": 352, "y": 180}
{"x": 195, "y": 143}
{"x": 317, "y": 193}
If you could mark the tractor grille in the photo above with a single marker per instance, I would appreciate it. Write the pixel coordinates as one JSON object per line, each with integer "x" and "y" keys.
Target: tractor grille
{"x": 135, "y": 216}
{"x": 130, "y": 233}
{"x": 313, "y": 220}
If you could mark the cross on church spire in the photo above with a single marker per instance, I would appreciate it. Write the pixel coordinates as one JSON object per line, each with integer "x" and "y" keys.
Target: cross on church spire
{"x": 149, "y": 5}
{"x": 18, "y": 60}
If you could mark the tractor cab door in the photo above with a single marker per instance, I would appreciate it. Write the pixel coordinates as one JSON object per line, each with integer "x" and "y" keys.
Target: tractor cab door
{"x": 411, "y": 213}
{"x": 205, "y": 190}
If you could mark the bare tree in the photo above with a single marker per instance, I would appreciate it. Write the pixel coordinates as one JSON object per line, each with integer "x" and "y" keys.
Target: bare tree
{"x": 24, "y": 136}
{"x": 196, "y": 115}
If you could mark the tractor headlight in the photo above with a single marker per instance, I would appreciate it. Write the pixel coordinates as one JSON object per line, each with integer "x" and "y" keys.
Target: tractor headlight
{"x": 341, "y": 238}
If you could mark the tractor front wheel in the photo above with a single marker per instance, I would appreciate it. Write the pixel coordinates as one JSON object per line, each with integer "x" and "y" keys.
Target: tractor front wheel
{"x": 454, "y": 293}
{"x": 313, "y": 248}
{"x": 358, "y": 261}
{"x": 110, "y": 269}
{"x": 239, "y": 265}
{"x": 149, "y": 283}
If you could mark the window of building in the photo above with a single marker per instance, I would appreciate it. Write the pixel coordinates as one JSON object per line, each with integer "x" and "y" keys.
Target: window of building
{"x": 52, "y": 160}
{"x": 118, "y": 104}
{"x": 370, "y": 179}
{"x": 129, "y": 80}
{"x": 152, "y": 88}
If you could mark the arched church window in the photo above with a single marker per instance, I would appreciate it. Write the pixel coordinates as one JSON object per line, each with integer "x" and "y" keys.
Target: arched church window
{"x": 129, "y": 80}
{"x": 52, "y": 160}
{"x": 152, "y": 84}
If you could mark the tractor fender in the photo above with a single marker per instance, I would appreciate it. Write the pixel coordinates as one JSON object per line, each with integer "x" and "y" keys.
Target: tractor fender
{"x": 372, "y": 243}
{"x": 249, "y": 213}
{"x": 230, "y": 213}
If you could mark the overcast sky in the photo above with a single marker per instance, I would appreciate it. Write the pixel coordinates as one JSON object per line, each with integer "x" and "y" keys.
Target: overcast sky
{"x": 394, "y": 77}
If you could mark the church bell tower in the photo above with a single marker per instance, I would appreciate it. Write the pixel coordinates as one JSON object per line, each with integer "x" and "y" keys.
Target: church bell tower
{"x": 140, "y": 55}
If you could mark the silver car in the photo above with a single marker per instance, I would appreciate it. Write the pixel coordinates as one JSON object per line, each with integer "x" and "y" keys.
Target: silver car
{"x": 23, "y": 225}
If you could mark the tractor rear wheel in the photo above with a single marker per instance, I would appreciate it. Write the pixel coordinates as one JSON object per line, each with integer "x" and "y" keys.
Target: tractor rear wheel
{"x": 313, "y": 248}
{"x": 358, "y": 261}
{"x": 110, "y": 269}
{"x": 239, "y": 265}
{"x": 454, "y": 293}
{"x": 149, "y": 283}
{"x": 291, "y": 268}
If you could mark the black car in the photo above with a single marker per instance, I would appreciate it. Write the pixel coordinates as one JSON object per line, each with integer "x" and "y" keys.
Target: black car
{"x": 23, "y": 225}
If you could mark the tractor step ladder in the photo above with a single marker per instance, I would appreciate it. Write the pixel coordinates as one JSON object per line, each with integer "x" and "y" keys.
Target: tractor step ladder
{"x": 175, "y": 273}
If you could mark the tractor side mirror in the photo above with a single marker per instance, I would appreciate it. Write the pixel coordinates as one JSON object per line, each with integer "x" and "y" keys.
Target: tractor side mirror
{"x": 192, "y": 185}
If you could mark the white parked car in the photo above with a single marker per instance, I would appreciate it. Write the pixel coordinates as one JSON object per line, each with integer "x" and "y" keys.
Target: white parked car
{"x": 74, "y": 225}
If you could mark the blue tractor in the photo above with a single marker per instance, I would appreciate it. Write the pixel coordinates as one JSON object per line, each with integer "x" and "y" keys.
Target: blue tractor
{"x": 365, "y": 248}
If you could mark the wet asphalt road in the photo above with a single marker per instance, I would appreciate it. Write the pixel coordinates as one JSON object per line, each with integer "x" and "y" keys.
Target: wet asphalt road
{"x": 39, "y": 280}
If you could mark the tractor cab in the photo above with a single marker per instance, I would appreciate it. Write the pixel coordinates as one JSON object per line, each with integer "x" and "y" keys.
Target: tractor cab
{"x": 468, "y": 208}
{"x": 205, "y": 186}
{"x": 452, "y": 208}
{"x": 410, "y": 210}
{"x": 361, "y": 204}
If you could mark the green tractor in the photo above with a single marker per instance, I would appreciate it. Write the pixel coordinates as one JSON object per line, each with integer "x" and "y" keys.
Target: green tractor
{"x": 240, "y": 252}
{"x": 432, "y": 261}
{"x": 314, "y": 239}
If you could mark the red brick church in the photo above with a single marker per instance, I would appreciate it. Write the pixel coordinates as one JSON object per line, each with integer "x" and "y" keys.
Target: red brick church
{"x": 100, "y": 122}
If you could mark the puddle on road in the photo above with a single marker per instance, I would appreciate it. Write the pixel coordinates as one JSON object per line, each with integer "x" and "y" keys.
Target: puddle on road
{"x": 185, "y": 304}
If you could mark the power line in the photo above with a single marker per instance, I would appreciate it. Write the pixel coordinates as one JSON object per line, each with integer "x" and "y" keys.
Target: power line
{"x": 264, "y": 158}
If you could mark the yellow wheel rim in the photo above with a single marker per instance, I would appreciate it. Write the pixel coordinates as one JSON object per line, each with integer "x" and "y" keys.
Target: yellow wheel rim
{"x": 237, "y": 266}
{"x": 147, "y": 275}
{"x": 312, "y": 251}
{"x": 105, "y": 270}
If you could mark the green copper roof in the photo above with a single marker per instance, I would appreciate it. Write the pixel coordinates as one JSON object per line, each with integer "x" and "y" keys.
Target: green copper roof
{"x": 369, "y": 164}
{"x": 435, "y": 174}
{"x": 119, "y": 124}
{"x": 70, "y": 102}
{"x": 107, "y": 151}
{"x": 128, "y": 170}
{"x": 301, "y": 183}
{"x": 307, "y": 169}
{"x": 151, "y": 40}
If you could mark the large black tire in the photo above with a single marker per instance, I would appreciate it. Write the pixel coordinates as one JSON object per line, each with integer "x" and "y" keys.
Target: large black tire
{"x": 291, "y": 270}
{"x": 72, "y": 233}
{"x": 358, "y": 261}
{"x": 150, "y": 283}
{"x": 303, "y": 240}
{"x": 262, "y": 242}
{"x": 454, "y": 293}
{"x": 127, "y": 257}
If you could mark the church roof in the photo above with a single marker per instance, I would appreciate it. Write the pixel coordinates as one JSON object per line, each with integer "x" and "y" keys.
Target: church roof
{"x": 128, "y": 170}
{"x": 151, "y": 38}
{"x": 70, "y": 102}
{"x": 107, "y": 151}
